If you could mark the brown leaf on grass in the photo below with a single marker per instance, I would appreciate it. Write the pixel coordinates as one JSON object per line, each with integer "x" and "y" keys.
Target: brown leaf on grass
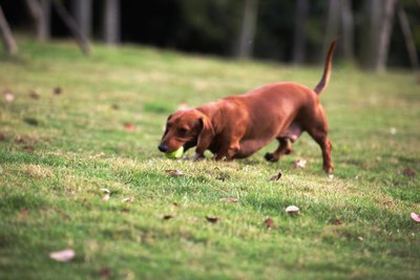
{"x": 269, "y": 223}
{"x": 9, "y": 97}
{"x": 33, "y": 94}
{"x": 336, "y": 222}
{"x": 107, "y": 195}
{"x": 127, "y": 199}
{"x": 276, "y": 177}
{"x": 23, "y": 213}
{"x": 212, "y": 219}
{"x": 31, "y": 121}
{"x": 129, "y": 127}
{"x": 230, "y": 199}
{"x": 28, "y": 148}
{"x": 300, "y": 163}
{"x": 25, "y": 140}
{"x": 105, "y": 272}
{"x": 223, "y": 177}
{"x": 174, "y": 172}
{"x": 63, "y": 256}
{"x": 409, "y": 172}
{"x": 167, "y": 217}
{"x": 19, "y": 140}
{"x": 57, "y": 90}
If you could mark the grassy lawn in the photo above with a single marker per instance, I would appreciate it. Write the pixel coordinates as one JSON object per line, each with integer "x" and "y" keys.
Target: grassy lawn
{"x": 59, "y": 151}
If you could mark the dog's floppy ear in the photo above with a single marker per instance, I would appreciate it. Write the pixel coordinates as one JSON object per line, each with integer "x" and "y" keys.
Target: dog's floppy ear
{"x": 206, "y": 135}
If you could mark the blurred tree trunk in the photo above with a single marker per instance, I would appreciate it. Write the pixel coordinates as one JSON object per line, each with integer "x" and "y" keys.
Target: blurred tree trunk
{"x": 408, "y": 36}
{"x": 248, "y": 27}
{"x": 6, "y": 35}
{"x": 40, "y": 11}
{"x": 347, "y": 24}
{"x": 385, "y": 32}
{"x": 82, "y": 11}
{"x": 380, "y": 14}
{"x": 112, "y": 22}
{"x": 333, "y": 24}
{"x": 71, "y": 24}
{"x": 301, "y": 14}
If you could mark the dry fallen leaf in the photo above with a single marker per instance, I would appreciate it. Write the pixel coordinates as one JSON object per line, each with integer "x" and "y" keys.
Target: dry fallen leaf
{"x": 127, "y": 199}
{"x": 167, "y": 217}
{"x": 63, "y": 256}
{"x": 33, "y": 94}
{"x": 129, "y": 127}
{"x": 57, "y": 90}
{"x": 393, "y": 131}
{"x": 292, "y": 209}
{"x": 269, "y": 223}
{"x": 222, "y": 176}
{"x": 276, "y": 177}
{"x": 300, "y": 163}
{"x": 409, "y": 172}
{"x": 28, "y": 148}
{"x": 174, "y": 172}
{"x": 23, "y": 213}
{"x": 31, "y": 121}
{"x": 336, "y": 222}
{"x": 105, "y": 272}
{"x": 230, "y": 199}
{"x": 415, "y": 217}
{"x": 212, "y": 219}
{"x": 107, "y": 195}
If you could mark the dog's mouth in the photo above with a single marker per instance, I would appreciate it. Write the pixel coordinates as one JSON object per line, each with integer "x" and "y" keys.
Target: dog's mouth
{"x": 190, "y": 144}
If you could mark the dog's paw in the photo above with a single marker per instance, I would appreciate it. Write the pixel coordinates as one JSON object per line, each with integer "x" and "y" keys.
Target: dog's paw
{"x": 270, "y": 157}
{"x": 198, "y": 157}
{"x": 329, "y": 169}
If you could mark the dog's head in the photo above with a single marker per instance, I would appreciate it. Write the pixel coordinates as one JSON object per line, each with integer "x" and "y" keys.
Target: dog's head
{"x": 185, "y": 128}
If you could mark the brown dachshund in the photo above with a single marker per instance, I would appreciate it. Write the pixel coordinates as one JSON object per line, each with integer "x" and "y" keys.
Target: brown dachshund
{"x": 238, "y": 126}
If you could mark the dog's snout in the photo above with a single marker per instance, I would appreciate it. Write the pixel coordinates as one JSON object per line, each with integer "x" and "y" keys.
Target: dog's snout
{"x": 163, "y": 148}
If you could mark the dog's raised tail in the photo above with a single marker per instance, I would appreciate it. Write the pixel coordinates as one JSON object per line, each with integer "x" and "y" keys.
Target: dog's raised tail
{"x": 327, "y": 70}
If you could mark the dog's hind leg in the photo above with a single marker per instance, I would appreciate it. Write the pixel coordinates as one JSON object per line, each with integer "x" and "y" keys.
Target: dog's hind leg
{"x": 319, "y": 132}
{"x": 285, "y": 142}
{"x": 284, "y": 148}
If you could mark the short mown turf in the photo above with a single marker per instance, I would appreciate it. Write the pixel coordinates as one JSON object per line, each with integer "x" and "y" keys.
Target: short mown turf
{"x": 60, "y": 152}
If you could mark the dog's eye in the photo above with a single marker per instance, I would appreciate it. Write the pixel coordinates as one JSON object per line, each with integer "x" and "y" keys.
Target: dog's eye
{"x": 182, "y": 131}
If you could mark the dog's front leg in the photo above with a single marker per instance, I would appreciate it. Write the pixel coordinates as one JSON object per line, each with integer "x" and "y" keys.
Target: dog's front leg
{"x": 227, "y": 152}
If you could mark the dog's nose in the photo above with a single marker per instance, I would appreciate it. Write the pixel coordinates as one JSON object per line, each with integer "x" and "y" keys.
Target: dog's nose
{"x": 163, "y": 148}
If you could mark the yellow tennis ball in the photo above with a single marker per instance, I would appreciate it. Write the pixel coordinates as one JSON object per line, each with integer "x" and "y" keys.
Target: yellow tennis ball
{"x": 175, "y": 154}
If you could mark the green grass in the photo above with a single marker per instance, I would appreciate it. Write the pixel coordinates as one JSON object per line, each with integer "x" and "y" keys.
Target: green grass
{"x": 61, "y": 150}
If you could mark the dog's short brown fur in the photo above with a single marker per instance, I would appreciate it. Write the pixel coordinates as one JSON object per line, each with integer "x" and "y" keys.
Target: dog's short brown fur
{"x": 238, "y": 126}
